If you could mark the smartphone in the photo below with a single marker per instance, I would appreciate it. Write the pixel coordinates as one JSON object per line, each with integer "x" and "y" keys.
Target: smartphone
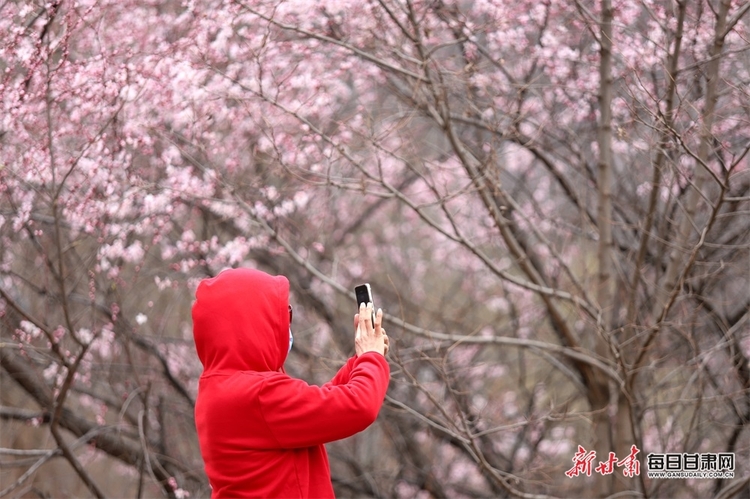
{"x": 364, "y": 295}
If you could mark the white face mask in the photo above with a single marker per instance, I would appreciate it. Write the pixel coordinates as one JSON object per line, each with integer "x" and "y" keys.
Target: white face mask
{"x": 291, "y": 340}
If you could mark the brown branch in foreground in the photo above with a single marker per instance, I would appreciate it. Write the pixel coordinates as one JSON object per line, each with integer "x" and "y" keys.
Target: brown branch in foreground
{"x": 114, "y": 445}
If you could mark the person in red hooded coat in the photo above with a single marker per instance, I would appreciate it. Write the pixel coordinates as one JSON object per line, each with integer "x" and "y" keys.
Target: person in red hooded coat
{"x": 262, "y": 432}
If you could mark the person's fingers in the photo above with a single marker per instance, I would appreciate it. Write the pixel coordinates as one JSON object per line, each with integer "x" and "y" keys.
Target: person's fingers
{"x": 378, "y": 321}
{"x": 368, "y": 317}
{"x": 362, "y": 318}
{"x": 357, "y": 328}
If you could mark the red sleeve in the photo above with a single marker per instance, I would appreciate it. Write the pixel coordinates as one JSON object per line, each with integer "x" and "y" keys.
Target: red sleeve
{"x": 302, "y": 415}
{"x": 344, "y": 373}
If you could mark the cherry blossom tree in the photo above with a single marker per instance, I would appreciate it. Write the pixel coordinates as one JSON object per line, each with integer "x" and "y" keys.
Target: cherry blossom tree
{"x": 549, "y": 199}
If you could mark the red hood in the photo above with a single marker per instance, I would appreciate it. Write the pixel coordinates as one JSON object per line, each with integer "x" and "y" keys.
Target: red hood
{"x": 241, "y": 322}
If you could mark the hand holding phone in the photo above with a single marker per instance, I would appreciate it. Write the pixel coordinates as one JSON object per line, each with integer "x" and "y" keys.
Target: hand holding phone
{"x": 364, "y": 295}
{"x": 374, "y": 339}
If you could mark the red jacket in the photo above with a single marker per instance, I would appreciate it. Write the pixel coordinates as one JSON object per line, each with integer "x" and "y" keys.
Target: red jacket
{"x": 262, "y": 432}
